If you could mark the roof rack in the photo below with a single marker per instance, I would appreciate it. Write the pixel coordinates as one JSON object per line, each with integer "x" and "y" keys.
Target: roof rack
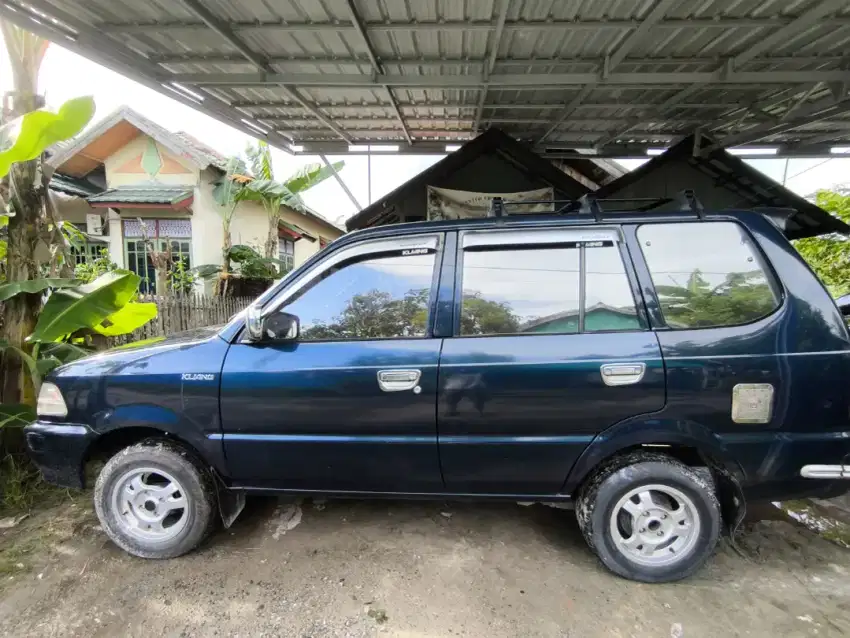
{"x": 588, "y": 204}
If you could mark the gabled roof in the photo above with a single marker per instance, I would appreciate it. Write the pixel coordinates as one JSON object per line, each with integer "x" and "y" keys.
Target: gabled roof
{"x": 83, "y": 154}
{"x": 751, "y": 187}
{"x": 491, "y": 140}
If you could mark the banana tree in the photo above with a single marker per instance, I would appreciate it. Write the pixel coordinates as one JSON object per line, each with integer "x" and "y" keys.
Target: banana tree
{"x": 30, "y": 219}
{"x": 273, "y": 194}
{"x": 71, "y": 316}
{"x": 226, "y": 195}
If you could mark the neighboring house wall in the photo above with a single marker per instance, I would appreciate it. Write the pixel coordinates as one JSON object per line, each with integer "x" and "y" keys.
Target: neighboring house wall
{"x": 250, "y": 226}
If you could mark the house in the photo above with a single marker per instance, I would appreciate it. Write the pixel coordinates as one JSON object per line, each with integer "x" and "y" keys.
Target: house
{"x": 493, "y": 162}
{"x": 599, "y": 317}
{"x": 127, "y": 176}
{"x": 720, "y": 181}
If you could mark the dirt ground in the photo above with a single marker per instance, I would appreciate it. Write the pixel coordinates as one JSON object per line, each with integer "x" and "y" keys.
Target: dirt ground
{"x": 412, "y": 570}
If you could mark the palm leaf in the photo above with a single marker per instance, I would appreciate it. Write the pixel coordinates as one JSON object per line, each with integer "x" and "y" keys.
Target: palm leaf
{"x": 260, "y": 158}
{"x": 308, "y": 176}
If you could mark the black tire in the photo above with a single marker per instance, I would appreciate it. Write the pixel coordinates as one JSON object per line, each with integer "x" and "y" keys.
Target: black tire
{"x": 600, "y": 495}
{"x": 196, "y": 482}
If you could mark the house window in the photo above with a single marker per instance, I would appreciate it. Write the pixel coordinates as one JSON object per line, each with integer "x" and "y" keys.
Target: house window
{"x": 86, "y": 252}
{"x": 161, "y": 232}
{"x": 286, "y": 251}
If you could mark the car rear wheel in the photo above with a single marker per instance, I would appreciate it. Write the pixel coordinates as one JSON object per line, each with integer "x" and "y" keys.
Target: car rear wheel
{"x": 649, "y": 517}
{"x": 154, "y": 500}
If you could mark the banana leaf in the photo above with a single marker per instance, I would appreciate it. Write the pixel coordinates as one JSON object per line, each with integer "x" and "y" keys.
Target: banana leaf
{"x": 16, "y": 414}
{"x": 27, "y": 137}
{"x": 69, "y": 309}
{"x": 9, "y": 290}
{"x": 131, "y": 317}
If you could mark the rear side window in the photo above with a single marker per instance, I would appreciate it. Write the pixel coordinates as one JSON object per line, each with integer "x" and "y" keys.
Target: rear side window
{"x": 707, "y": 274}
{"x": 568, "y": 289}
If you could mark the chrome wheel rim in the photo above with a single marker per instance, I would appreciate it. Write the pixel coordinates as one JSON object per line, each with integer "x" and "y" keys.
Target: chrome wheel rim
{"x": 150, "y": 505}
{"x": 655, "y": 525}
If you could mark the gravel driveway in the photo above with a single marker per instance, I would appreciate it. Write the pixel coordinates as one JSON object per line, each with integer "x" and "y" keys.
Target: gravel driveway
{"x": 412, "y": 570}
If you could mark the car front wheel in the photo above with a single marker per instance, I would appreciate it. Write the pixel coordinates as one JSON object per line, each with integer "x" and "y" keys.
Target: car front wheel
{"x": 650, "y": 518}
{"x": 154, "y": 500}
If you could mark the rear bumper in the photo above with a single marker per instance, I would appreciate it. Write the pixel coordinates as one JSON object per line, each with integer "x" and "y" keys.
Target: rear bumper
{"x": 59, "y": 451}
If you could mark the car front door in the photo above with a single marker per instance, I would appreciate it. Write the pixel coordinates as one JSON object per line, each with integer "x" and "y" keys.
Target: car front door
{"x": 550, "y": 348}
{"x": 350, "y": 405}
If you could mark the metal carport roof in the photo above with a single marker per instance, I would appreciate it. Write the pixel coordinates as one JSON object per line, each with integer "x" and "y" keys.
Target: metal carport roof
{"x": 621, "y": 76}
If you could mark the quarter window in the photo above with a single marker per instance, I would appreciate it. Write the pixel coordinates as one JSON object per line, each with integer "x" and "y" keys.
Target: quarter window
{"x": 375, "y": 298}
{"x": 537, "y": 290}
{"x": 707, "y": 274}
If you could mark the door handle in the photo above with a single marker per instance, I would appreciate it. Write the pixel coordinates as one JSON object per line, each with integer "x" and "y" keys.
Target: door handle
{"x": 399, "y": 380}
{"x": 622, "y": 373}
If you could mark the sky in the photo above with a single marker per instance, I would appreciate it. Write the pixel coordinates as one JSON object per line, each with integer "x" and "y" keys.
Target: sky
{"x": 65, "y": 75}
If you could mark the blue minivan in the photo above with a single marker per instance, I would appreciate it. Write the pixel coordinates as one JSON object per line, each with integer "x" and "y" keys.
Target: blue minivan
{"x": 655, "y": 370}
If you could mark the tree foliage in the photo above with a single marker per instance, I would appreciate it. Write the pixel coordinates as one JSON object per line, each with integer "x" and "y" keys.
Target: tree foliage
{"x": 742, "y": 297}
{"x": 482, "y": 316}
{"x": 378, "y": 314}
{"x": 272, "y": 193}
{"x": 375, "y": 315}
{"x": 829, "y": 255}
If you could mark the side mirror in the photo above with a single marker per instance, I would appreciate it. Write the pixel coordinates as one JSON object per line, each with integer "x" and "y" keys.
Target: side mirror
{"x": 278, "y": 326}
{"x": 843, "y": 304}
{"x": 281, "y": 326}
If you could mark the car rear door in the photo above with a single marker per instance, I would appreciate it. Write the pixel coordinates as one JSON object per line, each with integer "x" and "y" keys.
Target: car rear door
{"x": 549, "y": 348}
{"x": 350, "y": 405}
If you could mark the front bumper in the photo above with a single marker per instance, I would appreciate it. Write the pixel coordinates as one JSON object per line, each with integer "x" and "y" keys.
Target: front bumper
{"x": 59, "y": 450}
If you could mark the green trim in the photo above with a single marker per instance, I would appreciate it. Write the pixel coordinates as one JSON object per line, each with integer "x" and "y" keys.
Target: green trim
{"x": 151, "y": 159}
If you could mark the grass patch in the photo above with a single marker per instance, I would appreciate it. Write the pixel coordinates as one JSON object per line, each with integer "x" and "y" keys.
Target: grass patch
{"x": 818, "y": 520}
{"x": 22, "y": 486}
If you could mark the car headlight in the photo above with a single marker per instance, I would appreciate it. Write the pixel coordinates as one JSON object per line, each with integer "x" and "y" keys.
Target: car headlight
{"x": 50, "y": 401}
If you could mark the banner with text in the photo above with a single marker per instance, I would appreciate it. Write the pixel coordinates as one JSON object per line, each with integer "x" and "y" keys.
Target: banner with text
{"x": 445, "y": 203}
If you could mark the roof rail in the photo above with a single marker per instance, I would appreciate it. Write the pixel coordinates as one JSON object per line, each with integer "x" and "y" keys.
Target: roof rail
{"x": 686, "y": 201}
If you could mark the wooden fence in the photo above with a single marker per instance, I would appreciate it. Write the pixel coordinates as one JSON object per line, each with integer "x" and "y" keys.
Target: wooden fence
{"x": 178, "y": 313}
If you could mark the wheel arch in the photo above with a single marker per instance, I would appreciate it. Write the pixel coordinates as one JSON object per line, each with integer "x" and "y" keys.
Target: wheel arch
{"x": 688, "y": 441}
{"x": 117, "y": 438}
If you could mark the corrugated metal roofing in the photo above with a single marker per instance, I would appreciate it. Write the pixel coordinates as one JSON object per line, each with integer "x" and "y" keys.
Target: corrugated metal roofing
{"x": 617, "y": 76}
{"x": 149, "y": 194}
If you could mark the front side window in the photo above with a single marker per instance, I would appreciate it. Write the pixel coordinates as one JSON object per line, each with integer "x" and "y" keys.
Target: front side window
{"x": 375, "y": 298}
{"x": 538, "y": 290}
{"x": 707, "y": 274}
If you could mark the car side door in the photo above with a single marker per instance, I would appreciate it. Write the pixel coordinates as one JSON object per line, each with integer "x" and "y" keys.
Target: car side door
{"x": 349, "y": 406}
{"x": 549, "y": 348}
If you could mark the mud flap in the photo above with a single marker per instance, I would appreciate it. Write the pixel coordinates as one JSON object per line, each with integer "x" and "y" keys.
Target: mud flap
{"x": 733, "y": 505}
{"x": 230, "y": 502}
